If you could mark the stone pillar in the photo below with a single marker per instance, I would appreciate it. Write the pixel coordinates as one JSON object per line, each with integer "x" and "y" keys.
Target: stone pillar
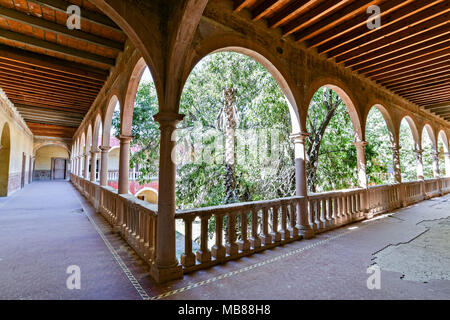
{"x": 419, "y": 162}
{"x": 86, "y": 166}
{"x": 396, "y": 160}
{"x": 301, "y": 185}
{"x": 104, "y": 166}
{"x": 447, "y": 164}
{"x": 124, "y": 163}
{"x": 79, "y": 166}
{"x": 435, "y": 156}
{"x": 94, "y": 152}
{"x": 166, "y": 266}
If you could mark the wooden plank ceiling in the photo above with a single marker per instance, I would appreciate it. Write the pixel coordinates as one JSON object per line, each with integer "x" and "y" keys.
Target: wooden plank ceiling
{"x": 409, "y": 54}
{"x": 50, "y": 73}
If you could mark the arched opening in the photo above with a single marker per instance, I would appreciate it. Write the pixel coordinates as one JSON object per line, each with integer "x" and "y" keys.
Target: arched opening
{"x": 141, "y": 105}
{"x": 334, "y": 126}
{"x": 5, "y": 153}
{"x": 408, "y": 140}
{"x": 381, "y": 139}
{"x": 51, "y": 163}
{"x": 233, "y": 144}
{"x": 109, "y": 139}
{"x": 442, "y": 148}
{"x": 97, "y": 143}
{"x": 88, "y": 150}
{"x": 428, "y": 147}
{"x": 82, "y": 154}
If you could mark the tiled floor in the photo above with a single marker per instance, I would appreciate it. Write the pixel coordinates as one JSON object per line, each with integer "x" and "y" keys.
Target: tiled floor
{"x": 48, "y": 226}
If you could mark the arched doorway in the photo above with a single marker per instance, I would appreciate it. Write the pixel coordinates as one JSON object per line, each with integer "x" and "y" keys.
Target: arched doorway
{"x": 5, "y": 151}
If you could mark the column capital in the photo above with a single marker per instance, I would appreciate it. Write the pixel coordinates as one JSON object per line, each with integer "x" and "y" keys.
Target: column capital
{"x": 94, "y": 150}
{"x": 168, "y": 118}
{"x": 418, "y": 151}
{"x": 124, "y": 138}
{"x": 435, "y": 153}
{"x": 299, "y": 137}
{"x": 360, "y": 144}
{"x": 104, "y": 148}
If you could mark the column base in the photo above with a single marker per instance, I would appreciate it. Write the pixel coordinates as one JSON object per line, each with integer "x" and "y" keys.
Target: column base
{"x": 161, "y": 275}
{"x": 306, "y": 233}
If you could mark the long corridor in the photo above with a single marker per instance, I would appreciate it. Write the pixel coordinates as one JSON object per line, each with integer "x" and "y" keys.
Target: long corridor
{"x": 48, "y": 226}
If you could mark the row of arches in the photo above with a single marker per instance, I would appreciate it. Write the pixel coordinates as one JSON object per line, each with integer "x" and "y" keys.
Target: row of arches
{"x": 98, "y": 131}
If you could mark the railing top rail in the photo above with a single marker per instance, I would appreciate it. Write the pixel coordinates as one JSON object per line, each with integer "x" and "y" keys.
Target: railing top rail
{"x": 223, "y": 209}
{"x": 334, "y": 193}
{"x": 383, "y": 186}
{"x": 149, "y": 208}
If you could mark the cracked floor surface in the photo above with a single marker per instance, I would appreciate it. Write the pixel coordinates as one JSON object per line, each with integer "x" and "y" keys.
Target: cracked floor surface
{"x": 44, "y": 227}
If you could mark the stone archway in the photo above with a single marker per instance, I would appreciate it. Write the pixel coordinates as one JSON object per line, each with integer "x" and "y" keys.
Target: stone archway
{"x": 5, "y": 152}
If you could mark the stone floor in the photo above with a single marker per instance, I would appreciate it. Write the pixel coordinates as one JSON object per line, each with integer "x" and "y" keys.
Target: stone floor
{"x": 48, "y": 227}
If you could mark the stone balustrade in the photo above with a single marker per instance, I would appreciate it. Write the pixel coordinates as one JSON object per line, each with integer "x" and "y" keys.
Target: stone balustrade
{"x": 242, "y": 229}
{"x": 134, "y": 219}
{"x": 329, "y": 210}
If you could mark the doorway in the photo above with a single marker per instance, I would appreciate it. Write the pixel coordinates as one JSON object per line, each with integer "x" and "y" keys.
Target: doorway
{"x": 59, "y": 167}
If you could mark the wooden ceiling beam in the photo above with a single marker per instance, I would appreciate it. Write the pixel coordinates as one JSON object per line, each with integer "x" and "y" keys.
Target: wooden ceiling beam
{"x": 426, "y": 38}
{"x": 239, "y": 5}
{"x": 315, "y": 13}
{"x": 46, "y": 25}
{"x": 55, "y": 48}
{"x": 47, "y": 99}
{"x": 434, "y": 46}
{"x": 19, "y": 83}
{"x": 292, "y": 9}
{"x": 425, "y": 89}
{"x": 390, "y": 73}
{"x": 43, "y": 92}
{"x": 262, "y": 9}
{"x": 51, "y": 63}
{"x": 352, "y": 29}
{"x": 51, "y": 108}
{"x": 51, "y": 74}
{"x": 440, "y": 105}
{"x": 357, "y": 7}
{"x": 422, "y": 80}
{"x": 401, "y": 64}
{"x": 88, "y": 15}
{"x": 16, "y": 75}
{"x": 44, "y": 103}
{"x": 400, "y": 24}
{"x": 415, "y": 74}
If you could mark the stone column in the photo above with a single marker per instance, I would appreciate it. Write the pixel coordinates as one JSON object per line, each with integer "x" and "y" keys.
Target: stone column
{"x": 94, "y": 152}
{"x": 78, "y": 166}
{"x": 419, "y": 162}
{"x": 124, "y": 163}
{"x": 362, "y": 173}
{"x": 435, "y": 156}
{"x": 396, "y": 160}
{"x": 104, "y": 166}
{"x": 301, "y": 187}
{"x": 166, "y": 266}
{"x": 447, "y": 164}
{"x": 86, "y": 166}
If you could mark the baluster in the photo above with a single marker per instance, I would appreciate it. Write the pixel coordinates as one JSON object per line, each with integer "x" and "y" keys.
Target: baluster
{"x": 330, "y": 216}
{"x": 344, "y": 209}
{"x": 265, "y": 237}
{"x": 255, "y": 240}
{"x": 284, "y": 229}
{"x": 276, "y": 235}
{"x": 336, "y": 214}
{"x": 232, "y": 247}
{"x": 324, "y": 214}
{"x": 204, "y": 255}
{"x": 244, "y": 244}
{"x": 218, "y": 250}
{"x": 293, "y": 215}
{"x": 188, "y": 257}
